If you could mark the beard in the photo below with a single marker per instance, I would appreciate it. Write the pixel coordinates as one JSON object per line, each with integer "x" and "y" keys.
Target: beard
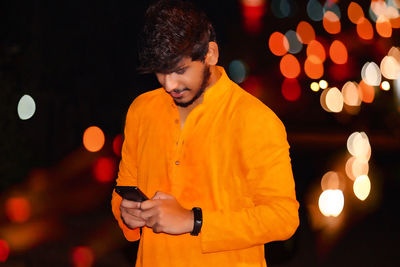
{"x": 203, "y": 86}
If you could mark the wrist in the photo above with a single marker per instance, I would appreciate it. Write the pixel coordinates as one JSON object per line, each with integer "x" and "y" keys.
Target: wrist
{"x": 197, "y": 220}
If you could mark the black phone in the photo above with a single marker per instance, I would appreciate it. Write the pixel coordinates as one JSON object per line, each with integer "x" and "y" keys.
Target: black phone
{"x": 131, "y": 193}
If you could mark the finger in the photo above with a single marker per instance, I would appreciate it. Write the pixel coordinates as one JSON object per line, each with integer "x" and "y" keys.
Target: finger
{"x": 162, "y": 195}
{"x": 130, "y": 204}
{"x": 148, "y": 204}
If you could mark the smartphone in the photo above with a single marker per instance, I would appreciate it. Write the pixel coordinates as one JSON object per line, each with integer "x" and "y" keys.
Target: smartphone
{"x": 131, "y": 193}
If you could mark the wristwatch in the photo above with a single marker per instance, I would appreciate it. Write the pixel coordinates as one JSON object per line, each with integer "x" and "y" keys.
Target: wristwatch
{"x": 198, "y": 220}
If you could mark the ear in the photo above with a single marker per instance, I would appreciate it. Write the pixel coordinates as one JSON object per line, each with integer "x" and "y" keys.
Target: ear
{"x": 212, "y": 54}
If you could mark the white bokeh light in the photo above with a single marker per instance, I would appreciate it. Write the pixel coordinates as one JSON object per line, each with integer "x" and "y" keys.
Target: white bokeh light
{"x": 26, "y": 107}
{"x": 331, "y": 202}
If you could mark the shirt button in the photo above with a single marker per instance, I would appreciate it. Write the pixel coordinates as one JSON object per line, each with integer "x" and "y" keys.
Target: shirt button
{"x": 177, "y": 162}
{"x": 176, "y": 121}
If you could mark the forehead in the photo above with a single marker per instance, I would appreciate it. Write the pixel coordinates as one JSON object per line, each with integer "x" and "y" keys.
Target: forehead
{"x": 183, "y": 63}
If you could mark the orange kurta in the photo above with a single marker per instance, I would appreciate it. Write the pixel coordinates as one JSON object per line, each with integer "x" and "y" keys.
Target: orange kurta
{"x": 231, "y": 159}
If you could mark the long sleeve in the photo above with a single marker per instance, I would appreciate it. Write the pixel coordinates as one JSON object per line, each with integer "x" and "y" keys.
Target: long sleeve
{"x": 274, "y": 215}
{"x": 127, "y": 174}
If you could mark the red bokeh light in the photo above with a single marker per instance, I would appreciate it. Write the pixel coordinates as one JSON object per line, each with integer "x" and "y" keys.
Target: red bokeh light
{"x": 104, "y": 169}
{"x": 82, "y": 256}
{"x": 18, "y": 209}
{"x": 117, "y": 145}
{"x": 4, "y": 250}
{"x": 291, "y": 89}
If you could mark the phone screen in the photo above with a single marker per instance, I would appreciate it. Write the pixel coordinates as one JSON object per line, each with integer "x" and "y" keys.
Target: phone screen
{"x": 131, "y": 193}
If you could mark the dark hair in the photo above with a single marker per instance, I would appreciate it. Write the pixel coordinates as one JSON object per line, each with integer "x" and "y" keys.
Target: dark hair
{"x": 173, "y": 30}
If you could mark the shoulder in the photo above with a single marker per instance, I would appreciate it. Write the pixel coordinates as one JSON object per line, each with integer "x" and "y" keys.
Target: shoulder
{"x": 147, "y": 101}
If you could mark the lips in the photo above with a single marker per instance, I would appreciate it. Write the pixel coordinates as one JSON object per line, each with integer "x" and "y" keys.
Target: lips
{"x": 176, "y": 94}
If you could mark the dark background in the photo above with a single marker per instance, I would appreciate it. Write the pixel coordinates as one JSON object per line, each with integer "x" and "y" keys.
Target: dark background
{"x": 77, "y": 60}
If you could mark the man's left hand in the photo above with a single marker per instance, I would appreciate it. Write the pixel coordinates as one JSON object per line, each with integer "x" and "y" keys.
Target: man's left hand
{"x": 163, "y": 213}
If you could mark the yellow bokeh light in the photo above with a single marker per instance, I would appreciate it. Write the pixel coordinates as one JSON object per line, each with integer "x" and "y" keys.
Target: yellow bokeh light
{"x": 385, "y": 86}
{"x": 323, "y": 84}
{"x": 362, "y": 187}
{"x": 331, "y": 202}
{"x": 351, "y": 94}
{"x": 93, "y": 139}
{"x": 314, "y": 86}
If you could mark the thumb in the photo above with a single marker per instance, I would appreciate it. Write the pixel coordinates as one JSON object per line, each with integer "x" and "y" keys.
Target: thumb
{"x": 162, "y": 195}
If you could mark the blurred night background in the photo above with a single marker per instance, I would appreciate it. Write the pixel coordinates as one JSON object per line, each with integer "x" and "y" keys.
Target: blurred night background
{"x": 68, "y": 75}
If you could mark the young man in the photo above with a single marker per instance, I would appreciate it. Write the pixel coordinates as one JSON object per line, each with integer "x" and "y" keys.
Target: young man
{"x": 214, "y": 159}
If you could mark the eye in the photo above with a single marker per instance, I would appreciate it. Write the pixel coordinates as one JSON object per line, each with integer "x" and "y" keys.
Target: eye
{"x": 180, "y": 71}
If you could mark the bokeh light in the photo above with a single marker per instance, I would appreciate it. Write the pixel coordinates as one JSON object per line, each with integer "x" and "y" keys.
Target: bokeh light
{"x": 354, "y": 12}
{"x": 313, "y": 67}
{"x": 93, "y": 139}
{"x": 330, "y": 180}
{"x": 332, "y": 100}
{"x": 290, "y": 66}
{"x": 17, "y": 209}
{"x": 82, "y": 256}
{"x": 362, "y": 187}
{"x": 331, "y": 22}
{"x": 104, "y": 169}
{"x": 306, "y": 32}
{"x": 358, "y": 145}
{"x": 26, "y": 107}
{"x": 117, "y": 145}
{"x": 385, "y": 86}
{"x": 295, "y": 44}
{"x": 237, "y": 71}
{"x": 383, "y": 27}
{"x": 367, "y": 92}
{"x": 283, "y": 8}
{"x": 278, "y": 44}
{"x": 331, "y": 202}
{"x": 4, "y": 250}
{"x": 338, "y": 52}
{"x": 315, "y": 48}
{"x": 371, "y": 74}
{"x": 314, "y": 10}
{"x": 314, "y": 86}
{"x": 291, "y": 89}
{"x": 351, "y": 94}
{"x": 323, "y": 84}
{"x": 390, "y": 68}
{"x": 364, "y": 29}
{"x": 355, "y": 167}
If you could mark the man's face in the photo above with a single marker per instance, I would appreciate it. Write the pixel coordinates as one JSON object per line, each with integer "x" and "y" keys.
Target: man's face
{"x": 187, "y": 82}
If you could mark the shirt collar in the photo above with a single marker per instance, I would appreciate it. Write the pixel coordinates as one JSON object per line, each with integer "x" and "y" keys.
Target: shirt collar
{"x": 215, "y": 92}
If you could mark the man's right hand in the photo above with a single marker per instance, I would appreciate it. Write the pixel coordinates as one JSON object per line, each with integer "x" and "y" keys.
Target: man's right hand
{"x": 130, "y": 214}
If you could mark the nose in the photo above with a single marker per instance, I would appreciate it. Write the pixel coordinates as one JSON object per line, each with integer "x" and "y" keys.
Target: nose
{"x": 169, "y": 82}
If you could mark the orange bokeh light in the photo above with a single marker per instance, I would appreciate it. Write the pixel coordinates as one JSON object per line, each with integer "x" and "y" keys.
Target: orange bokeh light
{"x": 331, "y": 22}
{"x": 93, "y": 139}
{"x": 313, "y": 67}
{"x": 395, "y": 22}
{"x": 290, "y": 66}
{"x": 355, "y": 12}
{"x": 82, "y": 256}
{"x": 291, "y": 90}
{"x": 317, "y": 49}
{"x": 305, "y": 31}
{"x": 4, "y": 250}
{"x": 18, "y": 209}
{"x": 338, "y": 52}
{"x": 364, "y": 29}
{"x": 104, "y": 169}
{"x": 367, "y": 92}
{"x": 278, "y": 44}
{"x": 383, "y": 27}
